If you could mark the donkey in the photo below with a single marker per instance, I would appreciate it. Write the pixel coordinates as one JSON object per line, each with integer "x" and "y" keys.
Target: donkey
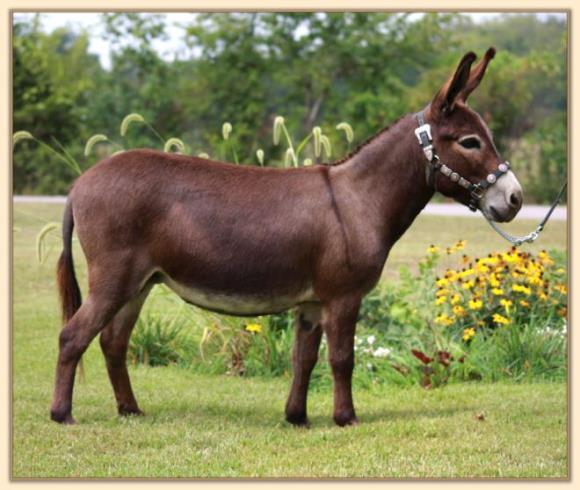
{"x": 248, "y": 241}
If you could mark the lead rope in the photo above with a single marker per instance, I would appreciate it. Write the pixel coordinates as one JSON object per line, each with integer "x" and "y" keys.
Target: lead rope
{"x": 530, "y": 237}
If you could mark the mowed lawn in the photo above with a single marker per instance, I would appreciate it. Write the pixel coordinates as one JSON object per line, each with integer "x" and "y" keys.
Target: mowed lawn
{"x": 218, "y": 426}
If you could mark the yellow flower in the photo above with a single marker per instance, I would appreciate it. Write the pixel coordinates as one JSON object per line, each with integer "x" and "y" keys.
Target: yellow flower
{"x": 512, "y": 257}
{"x": 459, "y": 310}
{"x": 433, "y": 249}
{"x": 524, "y": 303}
{"x": 468, "y": 284}
{"x": 500, "y": 320}
{"x": 440, "y": 300}
{"x": 442, "y": 292}
{"x": 490, "y": 260}
{"x": 468, "y": 333}
{"x": 475, "y": 304}
{"x": 534, "y": 280}
{"x": 543, "y": 296}
{"x": 521, "y": 289}
{"x": 561, "y": 288}
{"x": 460, "y": 245}
{"x": 493, "y": 281}
{"x": 506, "y": 303}
{"x": 466, "y": 272}
{"x": 482, "y": 268}
{"x": 442, "y": 282}
{"x": 254, "y": 327}
{"x": 497, "y": 291}
{"x": 443, "y": 319}
{"x": 455, "y": 299}
{"x": 451, "y": 276}
{"x": 545, "y": 257}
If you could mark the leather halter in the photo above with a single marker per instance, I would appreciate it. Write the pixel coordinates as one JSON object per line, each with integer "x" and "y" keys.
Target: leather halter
{"x": 477, "y": 190}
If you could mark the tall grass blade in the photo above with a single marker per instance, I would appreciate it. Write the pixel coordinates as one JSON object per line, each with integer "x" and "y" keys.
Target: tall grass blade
{"x": 260, "y": 156}
{"x": 41, "y": 237}
{"x": 21, "y": 136}
{"x": 326, "y": 145}
{"x": 72, "y": 161}
{"x": 348, "y": 132}
{"x": 317, "y": 133}
{"x": 226, "y": 130}
{"x": 278, "y": 123}
{"x": 92, "y": 141}
{"x": 174, "y": 143}
{"x": 129, "y": 119}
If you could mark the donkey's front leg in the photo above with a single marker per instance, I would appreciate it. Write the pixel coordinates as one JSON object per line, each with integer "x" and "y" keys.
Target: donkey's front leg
{"x": 339, "y": 323}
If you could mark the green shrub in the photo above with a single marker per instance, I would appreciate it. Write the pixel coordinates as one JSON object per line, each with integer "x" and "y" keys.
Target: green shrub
{"x": 502, "y": 316}
{"x": 158, "y": 341}
{"x": 241, "y": 347}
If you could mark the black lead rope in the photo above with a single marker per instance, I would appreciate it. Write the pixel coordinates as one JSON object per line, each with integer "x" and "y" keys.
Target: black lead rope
{"x": 477, "y": 190}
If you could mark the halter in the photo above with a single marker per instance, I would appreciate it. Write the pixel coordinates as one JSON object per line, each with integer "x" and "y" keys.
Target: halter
{"x": 477, "y": 190}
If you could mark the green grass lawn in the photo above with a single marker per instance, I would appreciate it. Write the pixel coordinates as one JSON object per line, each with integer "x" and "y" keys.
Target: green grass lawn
{"x": 219, "y": 426}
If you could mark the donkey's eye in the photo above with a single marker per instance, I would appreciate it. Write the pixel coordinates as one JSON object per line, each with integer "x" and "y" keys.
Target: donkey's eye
{"x": 470, "y": 143}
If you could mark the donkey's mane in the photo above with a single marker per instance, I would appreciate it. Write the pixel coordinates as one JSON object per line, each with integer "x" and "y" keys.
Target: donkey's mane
{"x": 365, "y": 143}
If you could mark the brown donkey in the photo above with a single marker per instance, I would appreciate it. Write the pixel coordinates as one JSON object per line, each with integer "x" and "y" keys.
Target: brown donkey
{"x": 250, "y": 241}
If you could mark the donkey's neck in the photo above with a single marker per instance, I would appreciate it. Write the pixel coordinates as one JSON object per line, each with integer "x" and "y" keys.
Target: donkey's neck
{"x": 387, "y": 176}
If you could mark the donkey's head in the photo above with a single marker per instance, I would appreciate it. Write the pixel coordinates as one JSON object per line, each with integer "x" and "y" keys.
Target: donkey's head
{"x": 472, "y": 170}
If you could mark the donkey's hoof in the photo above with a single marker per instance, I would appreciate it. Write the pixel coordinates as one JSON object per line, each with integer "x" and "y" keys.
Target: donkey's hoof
{"x": 130, "y": 411}
{"x": 298, "y": 419}
{"x": 64, "y": 418}
{"x": 345, "y": 418}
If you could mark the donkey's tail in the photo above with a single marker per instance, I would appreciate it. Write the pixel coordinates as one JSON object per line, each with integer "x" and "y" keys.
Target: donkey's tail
{"x": 68, "y": 286}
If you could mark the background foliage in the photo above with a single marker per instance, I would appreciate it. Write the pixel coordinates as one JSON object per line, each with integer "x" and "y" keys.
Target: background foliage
{"x": 312, "y": 68}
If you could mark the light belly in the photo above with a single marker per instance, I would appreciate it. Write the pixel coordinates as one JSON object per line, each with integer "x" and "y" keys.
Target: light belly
{"x": 239, "y": 304}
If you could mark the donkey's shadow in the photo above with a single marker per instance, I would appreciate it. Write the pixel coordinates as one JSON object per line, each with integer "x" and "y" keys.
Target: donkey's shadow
{"x": 269, "y": 416}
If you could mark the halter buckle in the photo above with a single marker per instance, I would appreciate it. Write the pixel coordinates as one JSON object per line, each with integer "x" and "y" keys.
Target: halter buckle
{"x": 477, "y": 191}
{"x": 423, "y": 134}
{"x": 424, "y": 129}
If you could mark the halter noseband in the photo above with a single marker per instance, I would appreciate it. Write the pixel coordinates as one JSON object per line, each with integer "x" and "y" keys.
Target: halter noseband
{"x": 477, "y": 190}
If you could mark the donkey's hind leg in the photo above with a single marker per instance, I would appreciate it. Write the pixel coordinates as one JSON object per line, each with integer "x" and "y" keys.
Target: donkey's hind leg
{"x": 114, "y": 342}
{"x": 74, "y": 339}
{"x": 304, "y": 357}
{"x": 110, "y": 287}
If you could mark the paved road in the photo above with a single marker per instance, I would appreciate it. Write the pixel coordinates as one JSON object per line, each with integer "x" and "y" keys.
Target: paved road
{"x": 530, "y": 211}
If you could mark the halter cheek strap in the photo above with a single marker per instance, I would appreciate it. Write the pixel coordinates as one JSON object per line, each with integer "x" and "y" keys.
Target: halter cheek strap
{"x": 477, "y": 190}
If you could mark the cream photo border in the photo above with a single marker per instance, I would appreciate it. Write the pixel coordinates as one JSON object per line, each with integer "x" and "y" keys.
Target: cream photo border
{"x": 288, "y": 5}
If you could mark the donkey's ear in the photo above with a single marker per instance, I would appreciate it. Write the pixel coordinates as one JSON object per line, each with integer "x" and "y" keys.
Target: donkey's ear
{"x": 445, "y": 99}
{"x": 477, "y": 74}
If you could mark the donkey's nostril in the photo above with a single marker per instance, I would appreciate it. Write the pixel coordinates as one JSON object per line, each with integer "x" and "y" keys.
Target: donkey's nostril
{"x": 516, "y": 199}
